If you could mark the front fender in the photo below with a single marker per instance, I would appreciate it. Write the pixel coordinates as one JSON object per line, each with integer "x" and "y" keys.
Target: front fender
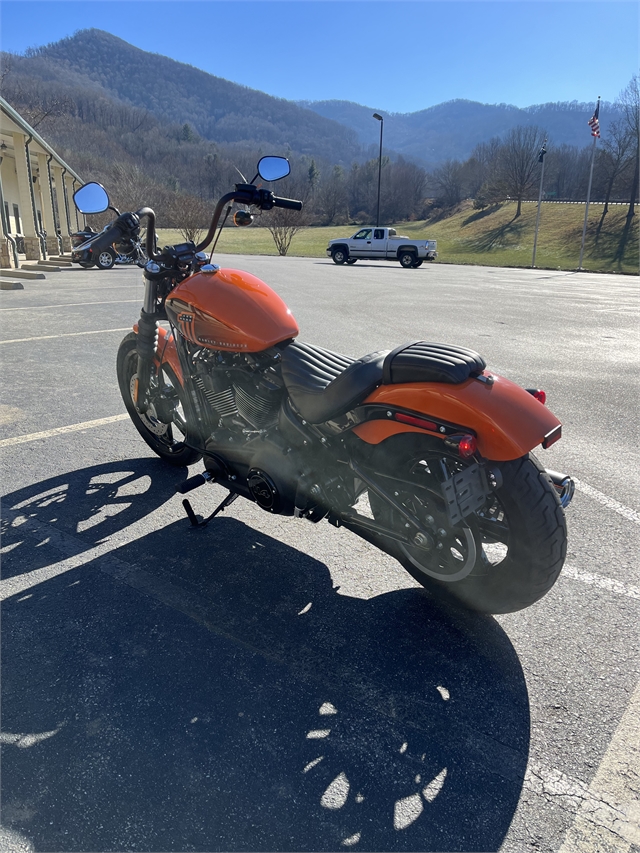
{"x": 508, "y": 421}
{"x": 166, "y": 352}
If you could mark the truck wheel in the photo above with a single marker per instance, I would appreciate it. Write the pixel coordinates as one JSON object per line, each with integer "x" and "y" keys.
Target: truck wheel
{"x": 339, "y": 256}
{"x": 417, "y": 264}
{"x": 351, "y": 261}
{"x": 407, "y": 260}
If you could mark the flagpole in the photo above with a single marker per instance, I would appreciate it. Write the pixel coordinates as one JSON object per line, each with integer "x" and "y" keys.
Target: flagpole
{"x": 586, "y": 211}
{"x": 543, "y": 151}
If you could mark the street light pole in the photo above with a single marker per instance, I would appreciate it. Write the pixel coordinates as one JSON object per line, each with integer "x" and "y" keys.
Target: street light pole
{"x": 381, "y": 120}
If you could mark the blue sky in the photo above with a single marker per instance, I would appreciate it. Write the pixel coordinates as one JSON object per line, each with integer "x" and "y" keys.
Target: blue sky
{"x": 395, "y": 56}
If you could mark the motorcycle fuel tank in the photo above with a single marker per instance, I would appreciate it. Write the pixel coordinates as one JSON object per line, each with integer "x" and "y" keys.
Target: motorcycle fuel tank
{"x": 230, "y": 310}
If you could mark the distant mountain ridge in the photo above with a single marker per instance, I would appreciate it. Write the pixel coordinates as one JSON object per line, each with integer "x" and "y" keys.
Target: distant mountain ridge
{"x": 452, "y": 129}
{"x": 338, "y": 132}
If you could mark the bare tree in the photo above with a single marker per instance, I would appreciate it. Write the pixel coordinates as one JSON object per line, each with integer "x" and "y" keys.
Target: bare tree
{"x": 284, "y": 224}
{"x": 630, "y": 102}
{"x": 614, "y": 161}
{"x": 190, "y": 215}
{"x": 332, "y": 196}
{"x": 518, "y": 159}
{"x": 447, "y": 180}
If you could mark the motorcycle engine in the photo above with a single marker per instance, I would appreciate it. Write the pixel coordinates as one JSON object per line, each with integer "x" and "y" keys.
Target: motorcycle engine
{"x": 243, "y": 391}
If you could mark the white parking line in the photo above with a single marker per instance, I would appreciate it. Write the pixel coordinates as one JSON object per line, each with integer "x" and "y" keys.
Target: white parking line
{"x": 35, "y": 436}
{"x": 65, "y": 335}
{"x": 605, "y": 500}
{"x": 601, "y": 581}
{"x": 608, "y": 818}
{"x": 69, "y": 305}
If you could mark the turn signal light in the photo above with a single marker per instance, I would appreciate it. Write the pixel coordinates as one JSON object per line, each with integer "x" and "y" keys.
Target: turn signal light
{"x": 539, "y": 394}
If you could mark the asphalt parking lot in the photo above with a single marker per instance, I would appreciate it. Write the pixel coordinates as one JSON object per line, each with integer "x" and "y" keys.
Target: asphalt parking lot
{"x": 270, "y": 685}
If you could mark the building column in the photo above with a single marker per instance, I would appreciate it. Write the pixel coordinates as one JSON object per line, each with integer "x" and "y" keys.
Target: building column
{"x": 6, "y": 254}
{"x": 47, "y": 205}
{"x": 69, "y": 181}
{"x": 61, "y": 207}
{"x": 29, "y": 227}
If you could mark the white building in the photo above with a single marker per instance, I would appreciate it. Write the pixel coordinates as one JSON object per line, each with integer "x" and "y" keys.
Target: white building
{"x": 36, "y": 189}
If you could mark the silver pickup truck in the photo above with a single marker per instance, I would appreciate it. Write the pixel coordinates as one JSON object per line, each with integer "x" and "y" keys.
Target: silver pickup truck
{"x": 382, "y": 244}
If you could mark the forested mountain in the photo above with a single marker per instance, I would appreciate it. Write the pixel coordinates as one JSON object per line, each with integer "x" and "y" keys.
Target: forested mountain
{"x": 453, "y": 129}
{"x": 178, "y": 93}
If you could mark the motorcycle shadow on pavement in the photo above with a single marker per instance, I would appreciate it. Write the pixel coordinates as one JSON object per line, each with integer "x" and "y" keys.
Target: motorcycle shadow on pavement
{"x": 212, "y": 690}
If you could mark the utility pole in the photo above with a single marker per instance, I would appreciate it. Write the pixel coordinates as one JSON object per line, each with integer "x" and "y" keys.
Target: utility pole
{"x": 381, "y": 120}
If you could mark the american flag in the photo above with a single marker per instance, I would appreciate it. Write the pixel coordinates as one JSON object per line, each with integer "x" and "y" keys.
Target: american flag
{"x": 594, "y": 124}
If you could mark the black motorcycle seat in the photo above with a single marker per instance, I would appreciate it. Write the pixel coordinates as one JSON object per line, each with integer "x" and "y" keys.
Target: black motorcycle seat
{"x": 323, "y": 384}
{"x": 423, "y": 361}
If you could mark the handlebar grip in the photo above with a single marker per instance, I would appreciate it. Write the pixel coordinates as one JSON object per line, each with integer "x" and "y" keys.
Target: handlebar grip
{"x": 289, "y": 203}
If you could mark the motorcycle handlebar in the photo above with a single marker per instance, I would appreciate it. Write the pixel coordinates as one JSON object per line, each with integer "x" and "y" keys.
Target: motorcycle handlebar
{"x": 289, "y": 203}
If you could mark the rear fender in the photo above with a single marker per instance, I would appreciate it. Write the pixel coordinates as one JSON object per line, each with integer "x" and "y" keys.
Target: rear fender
{"x": 166, "y": 352}
{"x": 507, "y": 421}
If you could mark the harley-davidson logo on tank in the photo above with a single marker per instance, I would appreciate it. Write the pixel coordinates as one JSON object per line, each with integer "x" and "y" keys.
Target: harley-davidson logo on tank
{"x": 230, "y": 310}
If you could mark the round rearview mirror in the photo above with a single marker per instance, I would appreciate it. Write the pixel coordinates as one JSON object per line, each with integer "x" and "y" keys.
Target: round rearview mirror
{"x": 242, "y": 217}
{"x": 273, "y": 168}
{"x": 91, "y": 198}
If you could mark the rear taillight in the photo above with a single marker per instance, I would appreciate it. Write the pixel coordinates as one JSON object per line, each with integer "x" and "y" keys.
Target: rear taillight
{"x": 465, "y": 445}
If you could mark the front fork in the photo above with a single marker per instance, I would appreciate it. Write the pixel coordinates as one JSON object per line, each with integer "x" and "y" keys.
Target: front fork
{"x": 147, "y": 345}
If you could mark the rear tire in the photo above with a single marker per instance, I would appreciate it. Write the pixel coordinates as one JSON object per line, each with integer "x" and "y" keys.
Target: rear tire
{"x": 500, "y": 559}
{"x": 158, "y": 435}
{"x": 407, "y": 260}
{"x": 417, "y": 264}
{"x": 105, "y": 259}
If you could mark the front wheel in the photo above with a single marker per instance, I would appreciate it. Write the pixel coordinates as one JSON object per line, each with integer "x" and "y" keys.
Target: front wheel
{"x": 339, "y": 256}
{"x": 86, "y": 265}
{"x": 501, "y": 558}
{"x": 351, "y": 261}
{"x": 407, "y": 260}
{"x": 105, "y": 259}
{"x": 163, "y": 426}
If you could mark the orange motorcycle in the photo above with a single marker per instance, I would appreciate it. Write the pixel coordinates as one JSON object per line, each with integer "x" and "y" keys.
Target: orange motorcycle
{"x": 423, "y": 451}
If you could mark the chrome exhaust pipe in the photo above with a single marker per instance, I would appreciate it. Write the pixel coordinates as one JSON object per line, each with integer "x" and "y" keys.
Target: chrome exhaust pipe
{"x": 564, "y": 486}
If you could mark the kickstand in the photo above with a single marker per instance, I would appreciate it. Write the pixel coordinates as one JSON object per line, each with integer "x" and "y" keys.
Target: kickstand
{"x": 230, "y": 498}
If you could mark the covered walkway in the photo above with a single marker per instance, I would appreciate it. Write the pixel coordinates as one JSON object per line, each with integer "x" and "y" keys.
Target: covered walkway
{"x": 36, "y": 189}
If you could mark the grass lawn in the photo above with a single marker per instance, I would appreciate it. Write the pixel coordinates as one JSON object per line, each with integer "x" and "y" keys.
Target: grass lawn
{"x": 489, "y": 237}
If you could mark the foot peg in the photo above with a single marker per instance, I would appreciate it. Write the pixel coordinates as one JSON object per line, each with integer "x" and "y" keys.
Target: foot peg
{"x": 194, "y": 482}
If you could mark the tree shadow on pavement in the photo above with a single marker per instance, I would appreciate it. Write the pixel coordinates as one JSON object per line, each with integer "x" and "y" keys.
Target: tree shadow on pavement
{"x": 212, "y": 690}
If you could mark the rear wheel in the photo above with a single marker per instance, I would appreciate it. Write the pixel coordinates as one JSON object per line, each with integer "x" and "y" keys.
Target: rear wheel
{"x": 407, "y": 260}
{"x": 417, "y": 264}
{"x": 163, "y": 426}
{"x": 339, "y": 256}
{"x": 105, "y": 259}
{"x": 499, "y": 559}
{"x": 86, "y": 265}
